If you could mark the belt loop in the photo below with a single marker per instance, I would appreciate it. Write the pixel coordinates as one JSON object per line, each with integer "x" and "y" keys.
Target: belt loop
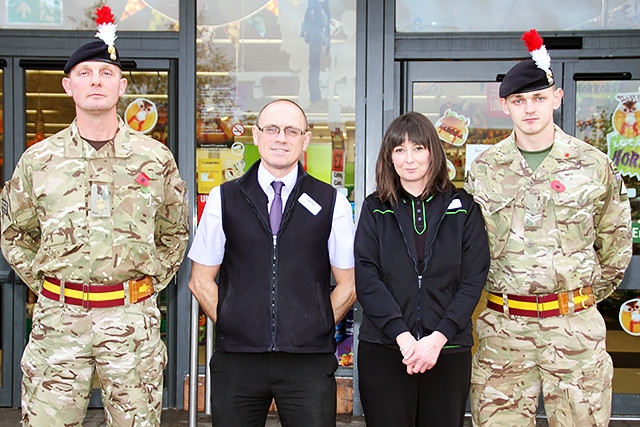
{"x": 505, "y": 304}
{"x": 539, "y": 312}
{"x": 85, "y": 295}
{"x": 62, "y": 296}
{"x": 127, "y": 295}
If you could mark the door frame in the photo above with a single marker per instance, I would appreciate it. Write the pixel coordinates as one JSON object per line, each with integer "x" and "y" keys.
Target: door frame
{"x": 9, "y": 295}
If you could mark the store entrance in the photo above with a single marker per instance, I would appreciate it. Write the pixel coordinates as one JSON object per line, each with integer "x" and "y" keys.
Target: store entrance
{"x": 40, "y": 108}
{"x": 601, "y": 107}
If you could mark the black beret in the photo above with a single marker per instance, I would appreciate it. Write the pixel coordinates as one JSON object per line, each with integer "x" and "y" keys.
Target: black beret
{"x": 523, "y": 77}
{"x": 93, "y": 51}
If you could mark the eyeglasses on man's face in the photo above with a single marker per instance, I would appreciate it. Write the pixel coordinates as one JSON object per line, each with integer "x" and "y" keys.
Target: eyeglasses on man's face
{"x": 288, "y": 131}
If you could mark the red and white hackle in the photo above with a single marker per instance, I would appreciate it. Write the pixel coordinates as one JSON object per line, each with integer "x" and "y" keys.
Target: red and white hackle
{"x": 106, "y": 24}
{"x": 535, "y": 44}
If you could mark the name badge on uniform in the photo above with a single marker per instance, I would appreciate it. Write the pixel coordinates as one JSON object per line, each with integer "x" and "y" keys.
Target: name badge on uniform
{"x": 100, "y": 204}
{"x": 311, "y": 205}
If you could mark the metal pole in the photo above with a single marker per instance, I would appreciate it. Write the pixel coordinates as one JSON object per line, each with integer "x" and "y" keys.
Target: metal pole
{"x": 193, "y": 364}
{"x": 207, "y": 369}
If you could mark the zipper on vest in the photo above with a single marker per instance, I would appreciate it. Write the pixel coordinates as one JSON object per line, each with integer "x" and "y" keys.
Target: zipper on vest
{"x": 419, "y": 307}
{"x": 273, "y": 293}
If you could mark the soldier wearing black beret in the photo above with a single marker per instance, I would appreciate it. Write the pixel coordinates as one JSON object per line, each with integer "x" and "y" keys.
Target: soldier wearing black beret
{"x": 559, "y": 225}
{"x": 95, "y": 221}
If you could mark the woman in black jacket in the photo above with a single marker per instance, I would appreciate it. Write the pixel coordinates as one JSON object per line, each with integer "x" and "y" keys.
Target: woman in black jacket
{"x": 422, "y": 258}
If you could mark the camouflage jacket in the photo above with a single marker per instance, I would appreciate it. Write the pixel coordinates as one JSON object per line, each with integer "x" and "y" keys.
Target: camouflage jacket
{"x": 106, "y": 216}
{"x": 566, "y": 225}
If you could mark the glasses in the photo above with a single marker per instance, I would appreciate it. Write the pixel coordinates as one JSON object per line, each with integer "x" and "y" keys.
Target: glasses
{"x": 288, "y": 131}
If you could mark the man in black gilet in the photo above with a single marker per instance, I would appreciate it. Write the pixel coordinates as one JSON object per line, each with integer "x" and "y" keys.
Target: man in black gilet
{"x": 263, "y": 255}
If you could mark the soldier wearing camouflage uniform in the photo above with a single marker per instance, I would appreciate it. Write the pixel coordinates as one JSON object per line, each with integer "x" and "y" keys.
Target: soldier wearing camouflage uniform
{"x": 96, "y": 207}
{"x": 558, "y": 220}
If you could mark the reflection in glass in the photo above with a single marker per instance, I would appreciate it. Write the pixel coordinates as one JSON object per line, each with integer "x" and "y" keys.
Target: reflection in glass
{"x": 264, "y": 51}
{"x": 432, "y": 16}
{"x": 467, "y": 116}
{"x": 130, "y": 15}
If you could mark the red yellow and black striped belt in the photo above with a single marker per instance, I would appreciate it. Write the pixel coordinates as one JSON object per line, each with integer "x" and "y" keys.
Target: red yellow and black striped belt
{"x": 542, "y": 306}
{"x": 91, "y": 295}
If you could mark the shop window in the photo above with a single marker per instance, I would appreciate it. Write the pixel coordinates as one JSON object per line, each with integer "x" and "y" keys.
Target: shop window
{"x": 258, "y": 51}
{"x": 434, "y": 16}
{"x": 608, "y": 117}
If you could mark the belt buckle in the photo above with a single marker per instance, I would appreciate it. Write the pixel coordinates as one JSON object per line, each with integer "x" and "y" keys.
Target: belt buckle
{"x": 565, "y": 302}
{"x": 135, "y": 294}
{"x": 86, "y": 289}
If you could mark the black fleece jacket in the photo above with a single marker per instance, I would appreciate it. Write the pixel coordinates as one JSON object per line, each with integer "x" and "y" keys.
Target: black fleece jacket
{"x": 394, "y": 295}
{"x": 274, "y": 293}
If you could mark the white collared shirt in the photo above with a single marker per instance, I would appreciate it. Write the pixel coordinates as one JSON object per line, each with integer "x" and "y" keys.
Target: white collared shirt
{"x": 208, "y": 245}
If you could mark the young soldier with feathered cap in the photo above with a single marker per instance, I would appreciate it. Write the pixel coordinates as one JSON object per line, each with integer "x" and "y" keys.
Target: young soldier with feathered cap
{"x": 95, "y": 222}
{"x": 559, "y": 226}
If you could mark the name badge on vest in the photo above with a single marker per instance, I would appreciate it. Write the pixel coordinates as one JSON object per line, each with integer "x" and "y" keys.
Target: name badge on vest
{"x": 100, "y": 204}
{"x": 311, "y": 205}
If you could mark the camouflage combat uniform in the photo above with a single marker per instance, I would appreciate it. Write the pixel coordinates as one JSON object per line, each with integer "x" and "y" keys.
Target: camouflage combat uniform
{"x": 565, "y": 226}
{"x": 108, "y": 216}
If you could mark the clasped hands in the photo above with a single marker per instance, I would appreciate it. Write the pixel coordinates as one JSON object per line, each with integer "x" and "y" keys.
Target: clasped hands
{"x": 420, "y": 355}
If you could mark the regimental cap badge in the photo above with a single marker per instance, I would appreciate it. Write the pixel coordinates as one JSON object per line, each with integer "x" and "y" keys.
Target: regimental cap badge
{"x": 107, "y": 29}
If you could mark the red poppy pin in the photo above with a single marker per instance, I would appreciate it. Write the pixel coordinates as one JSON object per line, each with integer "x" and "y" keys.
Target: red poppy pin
{"x": 558, "y": 186}
{"x": 143, "y": 180}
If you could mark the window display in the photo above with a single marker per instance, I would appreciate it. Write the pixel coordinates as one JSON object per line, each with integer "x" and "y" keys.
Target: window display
{"x": 268, "y": 50}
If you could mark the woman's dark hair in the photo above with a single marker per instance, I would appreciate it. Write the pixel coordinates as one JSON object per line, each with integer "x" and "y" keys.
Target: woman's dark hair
{"x": 419, "y": 130}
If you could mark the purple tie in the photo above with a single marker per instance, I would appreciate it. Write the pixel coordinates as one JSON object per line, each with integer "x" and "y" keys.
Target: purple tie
{"x": 275, "y": 214}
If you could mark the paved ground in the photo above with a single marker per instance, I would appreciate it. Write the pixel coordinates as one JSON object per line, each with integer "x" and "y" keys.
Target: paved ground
{"x": 10, "y": 417}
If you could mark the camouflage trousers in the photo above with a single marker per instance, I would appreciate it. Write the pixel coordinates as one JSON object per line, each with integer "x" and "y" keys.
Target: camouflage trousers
{"x": 69, "y": 345}
{"x": 563, "y": 357}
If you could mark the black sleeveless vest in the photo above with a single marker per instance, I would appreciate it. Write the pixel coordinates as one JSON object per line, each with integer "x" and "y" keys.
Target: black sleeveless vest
{"x": 273, "y": 293}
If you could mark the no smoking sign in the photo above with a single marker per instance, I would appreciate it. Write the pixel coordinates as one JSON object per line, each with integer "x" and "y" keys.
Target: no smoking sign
{"x": 237, "y": 129}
